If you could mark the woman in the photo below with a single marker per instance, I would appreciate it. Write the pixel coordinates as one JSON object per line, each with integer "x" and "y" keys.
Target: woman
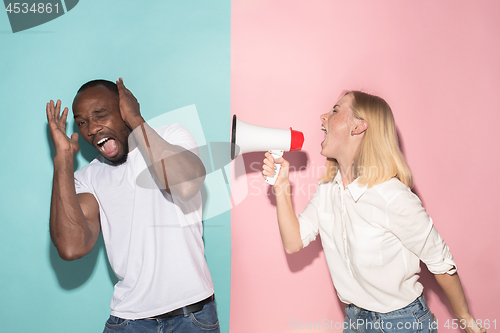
{"x": 374, "y": 230}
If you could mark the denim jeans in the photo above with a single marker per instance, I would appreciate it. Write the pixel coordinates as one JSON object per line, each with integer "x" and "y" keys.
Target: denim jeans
{"x": 204, "y": 321}
{"x": 414, "y": 318}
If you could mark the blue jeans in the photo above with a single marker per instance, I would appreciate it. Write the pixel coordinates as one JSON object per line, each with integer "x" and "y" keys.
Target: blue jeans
{"x": 413, "y": 318}
{"x": 204, "y": 321}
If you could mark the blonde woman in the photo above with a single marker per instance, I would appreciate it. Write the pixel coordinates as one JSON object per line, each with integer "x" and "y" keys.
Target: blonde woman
{"x": 374, "y": 230}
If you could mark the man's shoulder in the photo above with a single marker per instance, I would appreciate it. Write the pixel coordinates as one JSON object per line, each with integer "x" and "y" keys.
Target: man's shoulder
{"x": 179, "y": 135}
{"x": 94, "y": 165}
{"x": 170, "y": 129}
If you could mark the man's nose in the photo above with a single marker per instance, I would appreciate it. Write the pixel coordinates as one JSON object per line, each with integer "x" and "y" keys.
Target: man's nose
{"x": 94, "y": 127}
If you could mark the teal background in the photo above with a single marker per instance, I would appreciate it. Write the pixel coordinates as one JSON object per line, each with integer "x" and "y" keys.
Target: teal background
{"x": 171, "y": 54}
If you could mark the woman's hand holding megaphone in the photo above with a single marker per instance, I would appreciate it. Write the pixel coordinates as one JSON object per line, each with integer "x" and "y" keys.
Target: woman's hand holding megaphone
{"x": 269, "y": 169}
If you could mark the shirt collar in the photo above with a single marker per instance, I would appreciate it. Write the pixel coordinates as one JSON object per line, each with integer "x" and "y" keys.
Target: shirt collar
{"x": 354, "y": 188}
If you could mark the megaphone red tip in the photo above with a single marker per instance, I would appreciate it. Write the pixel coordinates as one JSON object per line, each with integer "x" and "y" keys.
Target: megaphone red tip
{"x": 297, "y": 140}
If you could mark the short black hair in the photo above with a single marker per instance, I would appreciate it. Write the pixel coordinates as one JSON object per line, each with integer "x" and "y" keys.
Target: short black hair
{"x": 111, "y": 86}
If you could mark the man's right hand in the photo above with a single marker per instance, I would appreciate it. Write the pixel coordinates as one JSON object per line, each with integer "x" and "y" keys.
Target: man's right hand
{"x": 57, "y": 125}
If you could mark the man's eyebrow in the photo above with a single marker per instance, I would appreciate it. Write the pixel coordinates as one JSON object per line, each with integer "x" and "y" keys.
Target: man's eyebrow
{"x": 95, "y": 111}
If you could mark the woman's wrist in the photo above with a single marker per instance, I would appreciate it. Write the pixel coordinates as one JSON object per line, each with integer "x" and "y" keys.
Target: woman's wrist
{"x": 464, "y": 317}
{"x": 282, "y": 187}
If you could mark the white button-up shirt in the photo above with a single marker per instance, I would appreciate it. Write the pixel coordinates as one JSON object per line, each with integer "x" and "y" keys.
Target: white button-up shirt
{"x": 374, "y": 239}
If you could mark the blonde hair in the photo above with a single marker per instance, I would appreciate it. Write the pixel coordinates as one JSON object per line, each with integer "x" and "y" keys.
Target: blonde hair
{"x": 379, "y": 158}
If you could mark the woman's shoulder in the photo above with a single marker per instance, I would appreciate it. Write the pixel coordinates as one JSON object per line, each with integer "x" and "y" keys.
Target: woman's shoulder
{"x": 392, "y": 188}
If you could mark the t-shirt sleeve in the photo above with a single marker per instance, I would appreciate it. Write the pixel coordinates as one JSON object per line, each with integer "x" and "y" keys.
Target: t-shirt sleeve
{"x": 408, "y": 220}
{"x": 80, "y": 185}
{"x": 309, "y": 221}
{"x": 178, "y": 135}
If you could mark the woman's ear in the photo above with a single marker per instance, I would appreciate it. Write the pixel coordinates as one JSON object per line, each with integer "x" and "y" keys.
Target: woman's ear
{"x": 360, "y": 127}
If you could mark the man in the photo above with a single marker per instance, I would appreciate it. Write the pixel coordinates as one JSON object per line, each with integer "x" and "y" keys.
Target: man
{"x": 143, "y": 192}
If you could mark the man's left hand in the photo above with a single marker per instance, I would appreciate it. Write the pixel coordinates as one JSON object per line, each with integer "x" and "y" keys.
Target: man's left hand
{"x": 129, "y": 106}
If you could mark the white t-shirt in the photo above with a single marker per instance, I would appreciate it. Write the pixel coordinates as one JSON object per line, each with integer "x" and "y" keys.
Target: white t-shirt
{"x": 154, "y": 246}
{"x": 374, "y": 239}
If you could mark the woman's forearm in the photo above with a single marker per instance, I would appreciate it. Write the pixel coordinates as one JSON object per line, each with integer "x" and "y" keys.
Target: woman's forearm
{"x": 453, "y": 290}
{"x": 287, "y": 220}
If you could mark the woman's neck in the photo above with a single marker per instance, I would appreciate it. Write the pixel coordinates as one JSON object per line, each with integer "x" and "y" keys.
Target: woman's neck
{"x": 347, "y": 172}
{"x": 346, "y": 164}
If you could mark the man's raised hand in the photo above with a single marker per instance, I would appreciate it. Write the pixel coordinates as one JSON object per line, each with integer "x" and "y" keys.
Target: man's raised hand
{"x": 129, "y": 106}
{"x": 57, "y": 125}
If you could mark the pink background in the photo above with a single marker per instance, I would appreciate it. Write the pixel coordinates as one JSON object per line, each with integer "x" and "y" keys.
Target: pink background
{"x": 437, "y": 63}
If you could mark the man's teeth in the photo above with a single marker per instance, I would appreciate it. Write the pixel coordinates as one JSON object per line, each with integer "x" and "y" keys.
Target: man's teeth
{"x": 102, "y": 141}
{"x": 324, "y": 129}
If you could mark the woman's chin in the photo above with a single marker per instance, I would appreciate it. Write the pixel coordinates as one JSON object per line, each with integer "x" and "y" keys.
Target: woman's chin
{"x": 323, "y": 151}
{"x": 326, "y": 154}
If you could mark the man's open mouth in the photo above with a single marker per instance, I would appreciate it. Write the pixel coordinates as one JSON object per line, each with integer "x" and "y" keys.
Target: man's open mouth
{"x": 107, "y": 146}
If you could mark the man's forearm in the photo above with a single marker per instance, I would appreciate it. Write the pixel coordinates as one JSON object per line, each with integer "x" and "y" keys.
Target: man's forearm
{"x": 174, "y": 168}
{"x": 68, "y": 228}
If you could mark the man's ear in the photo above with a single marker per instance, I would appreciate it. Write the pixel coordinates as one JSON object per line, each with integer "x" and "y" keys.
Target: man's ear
{"x": 359, "y": 127}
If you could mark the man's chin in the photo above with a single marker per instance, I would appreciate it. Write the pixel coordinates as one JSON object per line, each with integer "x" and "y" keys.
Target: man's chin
{"x": 117, "y": 159}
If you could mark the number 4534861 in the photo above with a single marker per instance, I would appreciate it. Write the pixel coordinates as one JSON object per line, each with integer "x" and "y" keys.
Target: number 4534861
{"x": 36, "y": 8}
{"x": 463, "y": 324}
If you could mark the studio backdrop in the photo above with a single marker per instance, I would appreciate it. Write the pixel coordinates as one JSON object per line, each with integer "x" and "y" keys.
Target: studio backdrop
{"x": 436, "y": 64}
{"x": 175, "y": 57}
{"x": 272, "y": 63}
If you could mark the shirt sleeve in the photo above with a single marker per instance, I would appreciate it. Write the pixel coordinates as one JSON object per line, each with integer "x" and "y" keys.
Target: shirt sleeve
{"x": 408, "y": 220}
{"x": 309, "y": 221}
{"x": 80, "y": 186}
{"x": 178, "y": 135}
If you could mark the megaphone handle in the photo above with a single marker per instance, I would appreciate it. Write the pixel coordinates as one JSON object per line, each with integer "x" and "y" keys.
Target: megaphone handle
{"x": 276, "y": 154}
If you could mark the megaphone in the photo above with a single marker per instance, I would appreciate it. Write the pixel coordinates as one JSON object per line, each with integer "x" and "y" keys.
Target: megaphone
{"x": 246, "y": 138}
